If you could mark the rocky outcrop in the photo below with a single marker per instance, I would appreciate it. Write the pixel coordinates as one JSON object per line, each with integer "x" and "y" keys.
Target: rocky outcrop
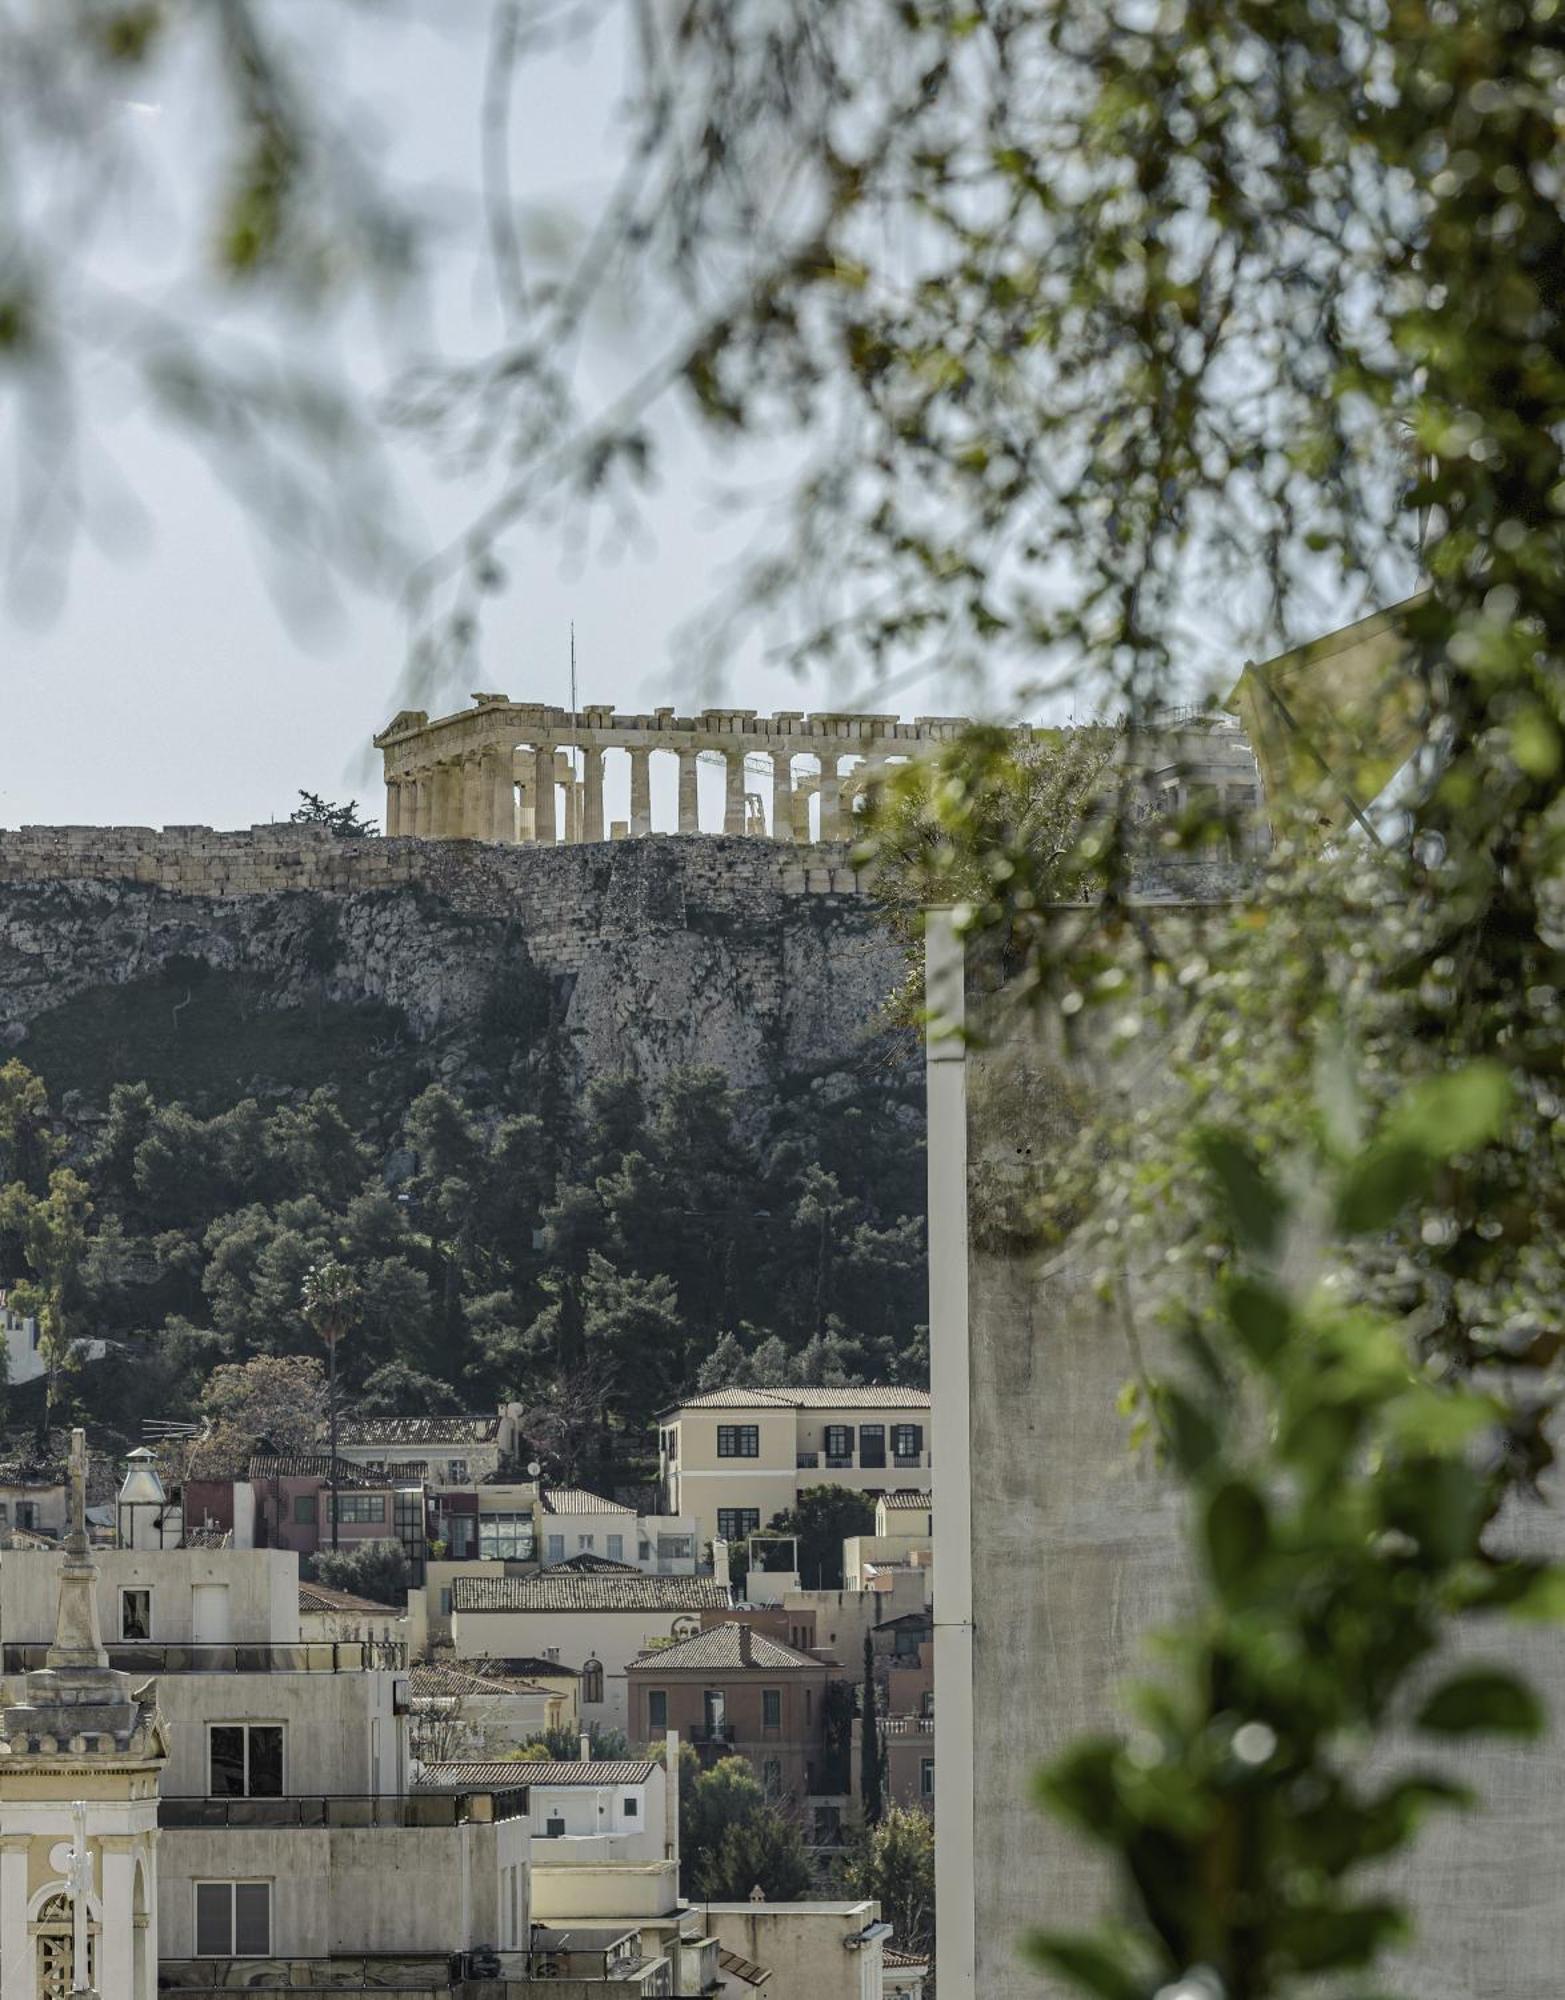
{"x": 765, "y": 961}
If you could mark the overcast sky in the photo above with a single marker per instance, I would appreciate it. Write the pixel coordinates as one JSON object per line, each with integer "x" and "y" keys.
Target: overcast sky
{"x": 168, "y": 686}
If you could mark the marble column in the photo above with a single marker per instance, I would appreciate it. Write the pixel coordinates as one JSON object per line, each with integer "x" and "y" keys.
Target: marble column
{"x": 733, "y": 796}
{"x": 640, "y": 793}
{"x": 689, "y": 793}
{"x": 424, "y": 804}
{"x": 393, "y": 808}
{"x": 799, "y": 813}
{"x": 782, "y": 795}
{"x": 477, "y": 812}
{"x": 543, "y": 796}
{"x": 592, "y": 796}
{"x": 448, "y": 801}
{"x": 502, "y": 796}
{"x": 831, "y": 796}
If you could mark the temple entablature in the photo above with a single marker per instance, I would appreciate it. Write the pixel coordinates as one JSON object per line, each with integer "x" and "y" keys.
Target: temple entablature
{"x": 523, "y": 771}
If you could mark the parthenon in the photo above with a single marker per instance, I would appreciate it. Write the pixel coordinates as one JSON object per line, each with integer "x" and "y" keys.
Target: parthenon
{"x": 521, "y": 771}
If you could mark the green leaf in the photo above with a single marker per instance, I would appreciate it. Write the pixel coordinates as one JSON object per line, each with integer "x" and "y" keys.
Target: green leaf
{"x": 1261, "y": 1317}
{"x": 1455, "y": 1113}
{"x": 1380, "y": 1183}
{"x": 1238, "y": 1536}
{"x": 1255, "y": 1208}
{"x": 1191, "y": 1433}
{"x": 1091, "y": 1964}
{"x": 1542, "y": 1598}
{"x": 1483, "y": 1699}
{"x": 1082, "y": 1786}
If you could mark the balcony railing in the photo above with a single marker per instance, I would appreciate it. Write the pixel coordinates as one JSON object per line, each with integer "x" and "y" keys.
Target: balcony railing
{"x": 712, "y": 1732}
{"x": 140, "y": 1656}
{"x": 907, "y": 1725}
{"x": 348, "y": 1809}
{"x": 808, "y": 1460}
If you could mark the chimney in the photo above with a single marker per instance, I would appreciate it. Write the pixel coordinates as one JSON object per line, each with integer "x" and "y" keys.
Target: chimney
{"x": 585, "y": 1745}
{"x": 744, "y": 1645}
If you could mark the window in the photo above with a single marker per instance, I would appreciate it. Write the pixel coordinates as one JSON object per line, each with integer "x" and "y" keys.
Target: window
{"x": 738, "y": 1440}
{"x": 246, "y": 1760}
{"x": 506, "y": 1537}
{"x": 926, "y": 1778}
{"x": 592, "y": 1681}
{"x": 307, "y": 1509}
{"x": 771, "y": 1777}
{"x": 734, "y": 1523}
{"x": 554, "y": 1826}
{"x": 839, "y": 1444}
{"x": 657, "y": 1708}
{"x": 586, "y": 1542}
{"x": 671, "y": 1446}
{"x": 27, "y": 1513}
{"x": 233, "y": 1920}
{"x": 771, "y": 1708}
{"x": 907, "y": 1443}
{"x": 630, "y": 1807}
{"x": 616, "y": 1548}
{"x": 674, "y": 1548}
{"x": 556, "y": 1548}
{"x": 456, "y": 1471}
{"x": 872, "y": 1445}
{"x": 809, "y": 1706}
{"x": 135, "y": 1614}
{"x": 445, "y": 1600}
{"x": 361, "y": 1507}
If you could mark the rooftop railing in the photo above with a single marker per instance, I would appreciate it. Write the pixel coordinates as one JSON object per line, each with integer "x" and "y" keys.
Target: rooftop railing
{"x": 348, "y": 1809}
{"x": 314, "y": 1656}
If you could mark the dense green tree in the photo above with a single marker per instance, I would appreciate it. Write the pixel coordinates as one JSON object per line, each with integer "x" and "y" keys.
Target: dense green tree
{"x": 894, "y": 1861}
{"x": 346, "y": 821}
{"x": 823, "y": 1517}
{"x": 377, "y": 1571}
{"x": 872, "y": 1778}
{"x": 732, "y": 1839}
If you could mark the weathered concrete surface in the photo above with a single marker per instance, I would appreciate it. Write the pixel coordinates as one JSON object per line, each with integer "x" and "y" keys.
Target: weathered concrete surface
{"x": 1078, "y": 1553}
{"x": 762, "y": 960}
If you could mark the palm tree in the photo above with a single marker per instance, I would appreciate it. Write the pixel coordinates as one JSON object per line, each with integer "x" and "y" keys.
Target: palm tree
{"x": 329, "y": 1299}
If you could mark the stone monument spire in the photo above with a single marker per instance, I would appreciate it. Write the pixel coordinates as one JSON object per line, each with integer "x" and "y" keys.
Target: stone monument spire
{"x": 78, "y": 1641}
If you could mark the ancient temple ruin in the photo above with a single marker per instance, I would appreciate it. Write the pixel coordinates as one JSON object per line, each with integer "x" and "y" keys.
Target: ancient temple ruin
{"x": 520, "y": 771}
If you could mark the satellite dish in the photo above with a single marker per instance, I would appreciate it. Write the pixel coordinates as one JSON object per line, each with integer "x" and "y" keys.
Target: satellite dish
{"x": 533, "y": 1468}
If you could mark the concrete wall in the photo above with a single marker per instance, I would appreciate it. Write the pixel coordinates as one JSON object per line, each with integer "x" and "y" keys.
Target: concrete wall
{"x": 1075, "y": 1551}
{"x": 340, "y": 1732}
{"x": 804, "y": 1944}
{"x": 348, "y": 1889}
{"x": 262, "y": 1585}
{"x": 599, "y": 1810}
{"x": 600, "y": 1887}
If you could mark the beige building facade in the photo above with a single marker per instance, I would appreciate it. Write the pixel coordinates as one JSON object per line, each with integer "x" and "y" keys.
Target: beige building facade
{"x": 733, "y": 1458}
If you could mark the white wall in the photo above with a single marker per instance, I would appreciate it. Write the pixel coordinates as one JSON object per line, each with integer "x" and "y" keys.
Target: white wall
{"x": 599, "y": 1810}
{"x": 331, "y": 1744}
{"x": 263, "y": 1592}
{"x": 348, "y": 1890}
{"x": 803, "y": 1946}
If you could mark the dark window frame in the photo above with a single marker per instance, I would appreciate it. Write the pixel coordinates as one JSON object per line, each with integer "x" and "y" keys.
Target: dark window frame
{"x": 258, "y": 1899}
{"x": 245, "y": 1766}
{"x": 127, "y": 1592}
{"x": 739, "y": 1440}
{"x": 872, "y": 1447}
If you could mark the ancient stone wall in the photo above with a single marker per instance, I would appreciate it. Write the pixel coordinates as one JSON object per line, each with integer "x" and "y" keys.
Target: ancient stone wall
{"x": 260, "y": 860}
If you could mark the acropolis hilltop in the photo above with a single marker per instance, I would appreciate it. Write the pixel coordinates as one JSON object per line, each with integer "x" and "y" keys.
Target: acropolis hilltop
{"x": 521, "y": 771}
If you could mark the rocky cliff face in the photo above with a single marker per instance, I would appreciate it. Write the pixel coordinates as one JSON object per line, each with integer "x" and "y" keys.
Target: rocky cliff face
{"x": 764, "y": 961}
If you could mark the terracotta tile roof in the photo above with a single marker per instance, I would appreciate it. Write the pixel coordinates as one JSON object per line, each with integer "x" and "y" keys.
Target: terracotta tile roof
{"x": 724, "y": 1646}
{"x": 309, "y": 1465}
{"x": 577, "y": 1500}
{"x": 315, "y": 1597}
{"x": 743, "y": 1968}
{"x": 868, "y": 1396}
{"x": 892, "y": 1955}
{"x": 529, "y": 1665}
{"x": 464, "y": 1777}
{"x": 588, "y": 1564}
{"x": 555, "y": 1592}
{"x": 435, "y": 1682}
{"x": 905, "y": 1499}
{"x": 421, "y": 1430}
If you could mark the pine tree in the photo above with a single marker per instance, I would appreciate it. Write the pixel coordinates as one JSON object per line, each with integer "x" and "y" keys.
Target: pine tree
{"x": 870, "y": 1790}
